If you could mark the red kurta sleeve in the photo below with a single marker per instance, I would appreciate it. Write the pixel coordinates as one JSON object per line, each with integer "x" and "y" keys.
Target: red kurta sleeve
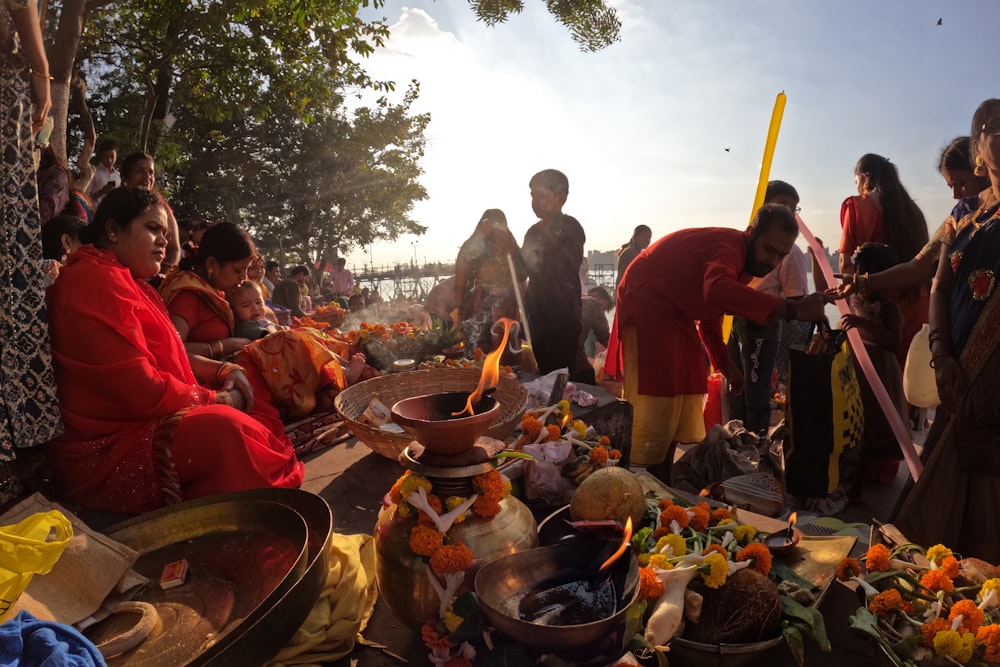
{"x": 724, "y": 290}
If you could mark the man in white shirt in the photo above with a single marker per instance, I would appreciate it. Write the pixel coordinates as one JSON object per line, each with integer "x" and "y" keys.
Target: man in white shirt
{"x": 106, "y": 177}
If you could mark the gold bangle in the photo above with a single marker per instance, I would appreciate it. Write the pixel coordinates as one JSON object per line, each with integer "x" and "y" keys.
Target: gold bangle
{"x": 223, "y": 398}
{"x": 42, "y": 76}
{"x": 215, "y": 349}
{"x": 224, "y": 370}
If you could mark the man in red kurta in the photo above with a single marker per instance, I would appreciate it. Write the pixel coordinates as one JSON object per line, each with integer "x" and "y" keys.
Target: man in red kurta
{"x": 671, "y": 300}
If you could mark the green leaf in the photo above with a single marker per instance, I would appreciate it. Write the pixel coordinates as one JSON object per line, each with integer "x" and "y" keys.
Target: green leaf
{"x": 780, "y": 571}
{"x": 867, "y": 622}
{"x": 640, "y": 537}
{"x": 793, "y": 638}
{"x": 633, "y": 618}
{"x": 511, "y": 454}
{"x": 819, "y": 630}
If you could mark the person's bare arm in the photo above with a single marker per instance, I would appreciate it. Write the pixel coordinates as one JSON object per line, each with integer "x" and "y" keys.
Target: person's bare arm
{"x": 30, "y": 32}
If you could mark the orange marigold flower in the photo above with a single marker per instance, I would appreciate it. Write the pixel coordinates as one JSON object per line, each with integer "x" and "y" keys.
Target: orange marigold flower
{"x": 663, "y": 504}
{"x": 432, "y": 638}
{"x": 989, "y": 635}
{"x": 531, "y": 427}
{"x": 972, "y": 615}
{"x": 604, "y": 440}
{"x": 931, "y": 628}
{"x": 718, "y": 515}
{"x": 674, "y": 513}
{"x": 650, "y": 586}
{"x": 451, "y": 558}
{"x": 949, "y": 565}
{"x": 877, "y": 558}
{"x": 847, "y": 568}
{"x": 615, "y": 453}
{"x": 715, "y": 548}
{"x": 457, "y": 660}
{"x": 486, "y": 507}
{"x": 886, "y": 601}
{"x": 937, "y": 580}
{"x": 598, "y": 455}
{"x": 699, "y": 514}
{"x": 662, "y": 531}
{"x": 478, "y": 354}
{"x": 554, "y": 432}
{"x": 425, "y": 540}
{"x": 489, "y": 485}
{"x": 759, "y": 554}
{"x": 425, "y": 518}
{"x": 394, "y": 493}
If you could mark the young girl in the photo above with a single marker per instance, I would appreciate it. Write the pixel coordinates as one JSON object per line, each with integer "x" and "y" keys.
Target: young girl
{"x": 879, "y": 320}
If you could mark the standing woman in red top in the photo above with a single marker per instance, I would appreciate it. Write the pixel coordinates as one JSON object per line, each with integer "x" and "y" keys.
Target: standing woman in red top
{"x": 884, "y": 212}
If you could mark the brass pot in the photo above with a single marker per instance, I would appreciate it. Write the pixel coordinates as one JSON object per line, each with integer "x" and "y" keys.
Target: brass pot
{"x": 402, "y": 575}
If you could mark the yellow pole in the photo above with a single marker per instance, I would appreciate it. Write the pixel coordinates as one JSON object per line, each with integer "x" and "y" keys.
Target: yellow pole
{"x": 765, "y": 173}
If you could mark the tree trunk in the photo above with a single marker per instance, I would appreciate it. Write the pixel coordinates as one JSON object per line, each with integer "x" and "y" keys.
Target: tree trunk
{"x": 78, "y": 102}
{"x": 62, "y": 56}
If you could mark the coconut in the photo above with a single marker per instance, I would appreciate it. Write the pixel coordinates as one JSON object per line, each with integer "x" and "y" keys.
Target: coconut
{"x": 974, "y": 572}
{"x": 609, "y": 493}
{"x": 747, "y": 608}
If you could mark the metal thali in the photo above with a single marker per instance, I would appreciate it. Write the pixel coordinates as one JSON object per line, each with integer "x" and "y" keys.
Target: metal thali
{"x": 258, "y": 562}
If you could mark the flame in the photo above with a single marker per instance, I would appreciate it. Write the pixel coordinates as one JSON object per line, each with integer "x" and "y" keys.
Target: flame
{"x": 626, "y": 542}
{"x": 791, "y": 521}
{"x": 490, "y": 377}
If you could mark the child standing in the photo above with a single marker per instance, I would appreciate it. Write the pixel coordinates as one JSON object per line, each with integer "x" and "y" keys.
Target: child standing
{"x": 878, "y": 319}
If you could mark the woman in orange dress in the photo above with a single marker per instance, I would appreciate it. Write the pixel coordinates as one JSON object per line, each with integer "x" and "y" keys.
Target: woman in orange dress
{"x": 143, "y": 428}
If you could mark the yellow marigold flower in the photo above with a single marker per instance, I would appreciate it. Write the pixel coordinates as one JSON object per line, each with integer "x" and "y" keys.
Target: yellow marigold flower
{"x": 678, "y": 547}
{"x": 660, "y": 561}
{"x": 937, "y": 552}
{"x": 954, "y": 645}
{"x": 579, "y": 428}
{"x": 718, "y": 569}
{"x": 452, "y": 621}
{"x": 989, "y": 635}
{"x": 990, "y": 585}
{"x": 451, "y": 502}
{"x": 643, "y": 559}
{"x": 506, "y": 487}
{"x": 564, "y": 406}
{"x": 877, "y": 558}
{"x": 718, "y": 515}
{"x": 742, "y": 532}
{"x": 404, "y": 510}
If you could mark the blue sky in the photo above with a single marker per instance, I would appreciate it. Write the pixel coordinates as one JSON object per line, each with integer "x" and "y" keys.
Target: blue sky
{"x": 641, "y": 127}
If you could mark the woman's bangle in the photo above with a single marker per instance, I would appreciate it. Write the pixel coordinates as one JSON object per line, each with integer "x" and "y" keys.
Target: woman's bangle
{"x": 224, "y": 370}
{"x": 42, "y": 75}
{"x": 215, "y": 349}
{"x": 223, "y": 398}
{"x": 936, "y": 357}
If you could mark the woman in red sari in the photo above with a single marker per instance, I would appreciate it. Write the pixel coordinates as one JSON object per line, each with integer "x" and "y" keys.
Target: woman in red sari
{"x": 142, "y": 428}
{"x": 304, "y": 368}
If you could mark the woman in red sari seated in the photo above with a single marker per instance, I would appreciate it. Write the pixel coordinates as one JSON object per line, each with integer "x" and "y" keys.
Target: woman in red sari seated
{"x": 305, "y": 368}
{"x": 143, "y": 429}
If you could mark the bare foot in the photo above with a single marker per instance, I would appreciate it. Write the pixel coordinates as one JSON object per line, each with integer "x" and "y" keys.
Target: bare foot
{"x": 355, "y": 367}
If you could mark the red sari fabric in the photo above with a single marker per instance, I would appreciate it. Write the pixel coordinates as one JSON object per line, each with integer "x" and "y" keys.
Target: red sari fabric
{"x": 675, "y": 294}
{"x": 140, "y": 432}
{"x": 860, "y": 223}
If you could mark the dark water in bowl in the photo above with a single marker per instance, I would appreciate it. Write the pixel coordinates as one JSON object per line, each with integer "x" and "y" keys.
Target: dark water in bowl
{"x": 572, "y": 603}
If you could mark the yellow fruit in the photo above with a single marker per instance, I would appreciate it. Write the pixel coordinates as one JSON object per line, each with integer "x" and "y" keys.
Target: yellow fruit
{"x": 609, "y": 493}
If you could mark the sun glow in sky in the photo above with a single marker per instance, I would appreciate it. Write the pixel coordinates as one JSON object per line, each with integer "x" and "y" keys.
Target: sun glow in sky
{"x": 667, "y": 127}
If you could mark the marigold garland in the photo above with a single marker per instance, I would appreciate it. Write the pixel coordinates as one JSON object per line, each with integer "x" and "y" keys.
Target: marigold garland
{"x": 972, "y": 616}
{"x": 432, "y": 638}
{"x": 423, "y": 517}
{"x": 700, "y": 515}
{"x": 989, "y": 635}
{"x": 425, "y": 540}
{"x": 674, "y": 513}
{"x": 889, "y": 599}
{"x": 931, "y": 628}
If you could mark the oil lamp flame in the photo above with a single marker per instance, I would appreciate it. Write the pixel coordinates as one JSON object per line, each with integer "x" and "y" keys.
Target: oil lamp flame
{"x": 791, "y": 521}
{"x": 490, "y": 377}
{"x": 626, "y": 542}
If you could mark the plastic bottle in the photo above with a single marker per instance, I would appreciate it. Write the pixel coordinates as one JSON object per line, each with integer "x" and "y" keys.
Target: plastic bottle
{"x": 919, "y": 384}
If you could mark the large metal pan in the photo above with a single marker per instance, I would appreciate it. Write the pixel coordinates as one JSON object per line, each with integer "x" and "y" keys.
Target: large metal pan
{"x": 247, "y": 532}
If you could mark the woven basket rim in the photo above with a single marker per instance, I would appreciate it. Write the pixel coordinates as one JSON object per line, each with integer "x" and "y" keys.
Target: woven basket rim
{"x": 391, "y": 387}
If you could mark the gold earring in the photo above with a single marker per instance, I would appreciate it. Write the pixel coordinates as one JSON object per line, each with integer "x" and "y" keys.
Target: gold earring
{"x": 980, "y": 169}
